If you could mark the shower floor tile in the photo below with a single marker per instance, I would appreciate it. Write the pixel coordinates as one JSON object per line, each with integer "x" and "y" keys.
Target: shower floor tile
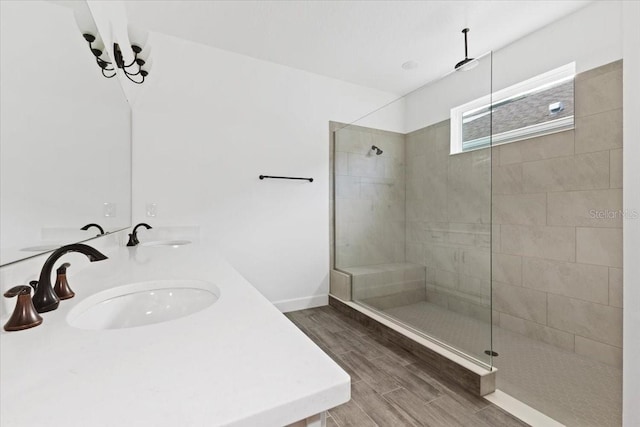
{"x": 567, "y": 387}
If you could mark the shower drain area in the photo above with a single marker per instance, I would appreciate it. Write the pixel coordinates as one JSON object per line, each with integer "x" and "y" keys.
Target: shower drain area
{"x": 565, "y": 386}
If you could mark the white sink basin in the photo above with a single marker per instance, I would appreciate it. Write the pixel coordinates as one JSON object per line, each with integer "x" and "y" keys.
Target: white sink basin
{"x": 174, "y": 243}
{"x": 143, "y": 303}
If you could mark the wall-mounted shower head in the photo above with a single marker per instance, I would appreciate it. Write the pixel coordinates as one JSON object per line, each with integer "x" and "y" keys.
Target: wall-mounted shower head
{"x": 377, "y": 150}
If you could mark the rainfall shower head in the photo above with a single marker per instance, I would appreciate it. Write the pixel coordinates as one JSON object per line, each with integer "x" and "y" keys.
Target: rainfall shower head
{"x": 467, "y": 63}
{"x": 376, "y": 149}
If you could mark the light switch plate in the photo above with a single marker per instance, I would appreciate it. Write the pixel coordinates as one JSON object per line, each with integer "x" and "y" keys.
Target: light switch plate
{"x": 109, "y": 209}
{"x": 152, "y": 210}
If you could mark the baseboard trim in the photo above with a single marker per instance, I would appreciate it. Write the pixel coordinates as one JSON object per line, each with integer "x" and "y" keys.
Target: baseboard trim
{"x": 296, "y": 304}
{"x": 521, "y": 410}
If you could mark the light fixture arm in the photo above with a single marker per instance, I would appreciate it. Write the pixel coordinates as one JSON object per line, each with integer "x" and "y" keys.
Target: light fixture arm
{"x": 106, "y": 66}
{"x": 119, "y": 59}
{"x": 102, "y": 64}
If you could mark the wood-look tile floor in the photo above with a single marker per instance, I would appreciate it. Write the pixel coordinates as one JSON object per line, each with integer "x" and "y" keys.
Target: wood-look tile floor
{"x": 390, "y": 386}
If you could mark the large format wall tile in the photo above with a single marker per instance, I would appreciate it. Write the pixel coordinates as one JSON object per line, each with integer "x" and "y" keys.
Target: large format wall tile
{"x": 587, "y": 282}
{"x": 369, "y": 197}
{"x": 598, "y": 71}
{"x": 539, "y": 241}
{"x": 475, "y": 262}
{"x": 597, "y": 94}
{"x": 523, "y": 209}
{"x": 359, "y": 164}
{"x": 445, "y": 279}
{"x": 548, "y": 175}
{"x": 507, "y": 269}
{"x": 496, "y": 238}
{"x": 591, "y": 171}
{"x": 557, "y": 144}
{"x": 415, "y": 253}
{"x": 599, "y": 132}
{"x": 353, "y": 210}
{"x": 341, "y": 165}
{"x": 536, "y": 331}
{"x": 585, "y": 171}
{"x": 615, "y": 168}
{"x": 615, "y": 287}
{"x": 443, "y": 257}
{"x": 600, "y": 246}
{"x": 585, "y": 208}
{"x": 601, "y": 352}
{"x": 347, "y": 187}
{"x": 536, "y": 204}
{"x": 474, "y": 286}
{"x": 520, "y": 302}
{"x": 415, "y": 141}
{"x": 469, "y": 187}
{"x": 507, "y": 179}
{"x": 579, "y": 174}
{"x": 594, "y": 321}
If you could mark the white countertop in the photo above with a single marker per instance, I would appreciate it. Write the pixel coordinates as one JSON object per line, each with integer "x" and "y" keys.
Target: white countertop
{"x": 239, "y": 362}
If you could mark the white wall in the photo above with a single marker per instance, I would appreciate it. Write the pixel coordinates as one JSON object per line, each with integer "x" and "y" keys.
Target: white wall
{"x": 591, "y": 37}
{"x": 208, "y": 122}
{"x": 631, "y": 197}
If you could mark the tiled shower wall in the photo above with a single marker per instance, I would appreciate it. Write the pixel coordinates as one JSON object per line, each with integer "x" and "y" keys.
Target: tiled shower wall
{"x": 448, "y": 220}
{"x": 370, "y": 202}
{"x": 555, "y": 202}
{"x": 557, "y": 242}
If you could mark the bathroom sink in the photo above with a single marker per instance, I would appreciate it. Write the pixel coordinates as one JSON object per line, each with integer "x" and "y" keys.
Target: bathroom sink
{"x": 143, "y": 303}
{"x": 41, "y": 248}
{"x": 174, "y": 243}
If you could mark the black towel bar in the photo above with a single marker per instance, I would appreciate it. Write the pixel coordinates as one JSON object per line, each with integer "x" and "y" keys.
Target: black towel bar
{"x": 285, "y": 177}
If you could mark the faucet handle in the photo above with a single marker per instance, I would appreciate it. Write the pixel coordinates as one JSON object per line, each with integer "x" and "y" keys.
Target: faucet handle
{"x": 18, "y": 290}
{"x": 24, "y": 315}
{"x": 62, "y": 288}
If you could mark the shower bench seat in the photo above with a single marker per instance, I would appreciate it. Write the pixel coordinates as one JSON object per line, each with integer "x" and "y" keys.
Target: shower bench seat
{"x": 388, "y": 285}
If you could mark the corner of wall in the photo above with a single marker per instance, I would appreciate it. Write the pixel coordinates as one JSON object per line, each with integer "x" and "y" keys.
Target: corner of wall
{"x": 631, "y": 204}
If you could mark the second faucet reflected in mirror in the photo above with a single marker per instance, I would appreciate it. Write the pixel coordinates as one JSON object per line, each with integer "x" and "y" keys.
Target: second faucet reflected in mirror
{"x": 88, "y": 226}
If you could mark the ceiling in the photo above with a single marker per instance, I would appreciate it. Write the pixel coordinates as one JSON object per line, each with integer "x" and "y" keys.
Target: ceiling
{"x": 363, "y": 42}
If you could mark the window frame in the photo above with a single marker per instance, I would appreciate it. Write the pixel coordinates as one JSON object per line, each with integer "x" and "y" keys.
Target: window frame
{"x": 550, "y": 78}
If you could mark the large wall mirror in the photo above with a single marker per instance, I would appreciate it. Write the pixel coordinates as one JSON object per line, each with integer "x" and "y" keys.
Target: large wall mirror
{"x": 65, "y": 142}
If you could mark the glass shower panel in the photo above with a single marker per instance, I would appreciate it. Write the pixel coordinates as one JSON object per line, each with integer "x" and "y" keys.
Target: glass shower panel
{"x": 370, "y": 231}
{"x": 369, "y": 192}
{"x": 413, "y": 211}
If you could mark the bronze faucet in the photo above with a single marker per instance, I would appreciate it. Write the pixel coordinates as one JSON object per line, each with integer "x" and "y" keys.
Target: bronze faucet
{"x": 133, "y": 237}
{"x": 45, "y": 299}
